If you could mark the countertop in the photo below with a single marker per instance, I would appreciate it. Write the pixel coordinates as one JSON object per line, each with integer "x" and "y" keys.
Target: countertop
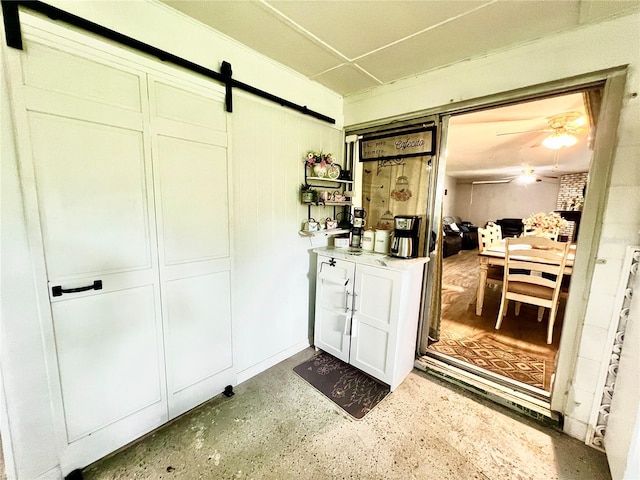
{"x": 371, "y": 258}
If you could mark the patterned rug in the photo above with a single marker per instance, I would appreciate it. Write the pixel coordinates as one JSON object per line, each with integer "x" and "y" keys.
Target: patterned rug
{"x": 346, "y": 386}
{"x": 511, "y": 364}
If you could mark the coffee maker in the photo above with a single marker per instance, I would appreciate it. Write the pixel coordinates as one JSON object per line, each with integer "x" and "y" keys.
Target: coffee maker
{"x": 358, "y": 227}
{"x": 406, "y": 236}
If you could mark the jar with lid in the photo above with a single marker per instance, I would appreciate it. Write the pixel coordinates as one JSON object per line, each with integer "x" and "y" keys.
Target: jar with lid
{"x": 368, "y": 238}
{"x": 382, "y": 241}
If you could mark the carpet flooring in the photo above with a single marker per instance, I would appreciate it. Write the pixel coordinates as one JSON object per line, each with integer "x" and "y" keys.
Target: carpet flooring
{"x": 521, "y": 338}
{"x": 346, "y": 386}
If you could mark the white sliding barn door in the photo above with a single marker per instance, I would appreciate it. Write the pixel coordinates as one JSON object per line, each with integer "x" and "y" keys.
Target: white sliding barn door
{"x": 91, "y": 169}
{"x": 192, "y": 203}
{"x": 127, "y": 184}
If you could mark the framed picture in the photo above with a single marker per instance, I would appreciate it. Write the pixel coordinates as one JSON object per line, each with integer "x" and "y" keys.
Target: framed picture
{"x": 416, "y": 142}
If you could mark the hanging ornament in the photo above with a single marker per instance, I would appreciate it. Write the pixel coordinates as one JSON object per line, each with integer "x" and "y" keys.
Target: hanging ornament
{"x": 386, "y": 221}
{"x": 401, "y": 192}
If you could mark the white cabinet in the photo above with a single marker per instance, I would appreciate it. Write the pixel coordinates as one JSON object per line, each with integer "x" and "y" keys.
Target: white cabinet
{"x": 367, "y": 309}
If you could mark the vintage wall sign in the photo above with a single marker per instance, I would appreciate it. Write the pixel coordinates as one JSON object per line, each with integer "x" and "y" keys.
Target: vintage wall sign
{"x": 409, "y": 143}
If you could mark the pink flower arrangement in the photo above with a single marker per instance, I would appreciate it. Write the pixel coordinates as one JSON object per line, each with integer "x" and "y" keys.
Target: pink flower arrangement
{"x": 323, "y": 159}
{"x": 546, "y": 222}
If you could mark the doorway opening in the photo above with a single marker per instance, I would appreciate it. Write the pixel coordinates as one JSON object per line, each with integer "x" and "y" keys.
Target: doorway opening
{"x": 500, "y": 170}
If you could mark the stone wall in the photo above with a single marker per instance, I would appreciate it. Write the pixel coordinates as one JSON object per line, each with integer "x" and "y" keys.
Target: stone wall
{"x": 571, "y": 196}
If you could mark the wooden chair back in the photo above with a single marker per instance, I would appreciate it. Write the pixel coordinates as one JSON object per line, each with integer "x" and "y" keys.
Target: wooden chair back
{"x": 492, "y": 233}
{"x": 534, "y": 267}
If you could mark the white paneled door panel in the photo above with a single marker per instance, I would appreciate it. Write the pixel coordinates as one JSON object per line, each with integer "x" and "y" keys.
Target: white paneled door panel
{"x": 198, "y": 346}
{"x": 375, "y": 320}
{"x": 91, "y": 165}
{"x": 107, "y": 345}
{"x": 194, "y": 200}
{"x": 334, "y": 297}
{"x": 92, "y": 194}
{"x": 127, "y": 180}
{"x": 191, "y": 174}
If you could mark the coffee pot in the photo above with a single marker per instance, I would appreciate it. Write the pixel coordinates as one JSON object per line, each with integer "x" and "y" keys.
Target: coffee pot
{"x": 344, "y": 220}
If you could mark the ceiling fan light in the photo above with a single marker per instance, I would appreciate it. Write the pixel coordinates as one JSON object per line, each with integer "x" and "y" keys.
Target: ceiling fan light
{"x": 527, "y": 178}
{"x": 559, "y": 140}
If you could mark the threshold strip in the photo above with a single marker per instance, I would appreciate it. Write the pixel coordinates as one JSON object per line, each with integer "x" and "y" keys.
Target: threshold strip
{"x": 505, "y": 395}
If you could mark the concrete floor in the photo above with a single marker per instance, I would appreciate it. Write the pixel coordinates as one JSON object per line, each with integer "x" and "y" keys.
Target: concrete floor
{"x": 279, "y": 427}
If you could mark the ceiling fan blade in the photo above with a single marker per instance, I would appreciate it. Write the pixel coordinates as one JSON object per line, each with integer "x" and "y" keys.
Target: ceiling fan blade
{"x": 491, "y": 182}
{"x": 524, "y": 131}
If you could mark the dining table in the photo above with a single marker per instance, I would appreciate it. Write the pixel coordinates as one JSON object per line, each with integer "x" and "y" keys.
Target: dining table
{"x": 494, "y": 254}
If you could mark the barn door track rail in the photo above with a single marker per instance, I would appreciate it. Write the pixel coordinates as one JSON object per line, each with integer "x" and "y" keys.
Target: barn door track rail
{"x": 13, "y": 36}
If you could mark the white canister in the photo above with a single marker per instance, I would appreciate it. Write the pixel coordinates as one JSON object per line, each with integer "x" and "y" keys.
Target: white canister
{"x": 382, "y": 240}
{"x": 368, "y": 238}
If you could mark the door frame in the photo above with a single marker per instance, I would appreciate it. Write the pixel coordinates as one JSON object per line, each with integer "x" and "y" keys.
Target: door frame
{"x": 613, "y": 82}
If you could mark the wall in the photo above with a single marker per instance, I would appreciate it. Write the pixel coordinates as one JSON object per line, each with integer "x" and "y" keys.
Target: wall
{"x": 486, "y": 202}
{"x": 271, "y": 288}
{"x": 581, "y": 51}
{"x": 571, "y": 197}
{"x": 450, "y": 200}
{"x": 272, "y": 262}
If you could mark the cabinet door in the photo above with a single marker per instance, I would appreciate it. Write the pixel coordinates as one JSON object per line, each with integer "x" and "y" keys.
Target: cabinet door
{"x": 375, "y": 320}
{"x": 334, "y": 290}
{"x": 191, "y": 170}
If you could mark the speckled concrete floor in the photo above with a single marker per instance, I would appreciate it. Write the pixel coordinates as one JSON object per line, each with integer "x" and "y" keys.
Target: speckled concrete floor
{"x": 279, "y": 427}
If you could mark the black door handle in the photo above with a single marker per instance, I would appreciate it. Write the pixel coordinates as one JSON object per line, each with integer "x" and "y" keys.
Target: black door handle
{"x": 58, "y": 290}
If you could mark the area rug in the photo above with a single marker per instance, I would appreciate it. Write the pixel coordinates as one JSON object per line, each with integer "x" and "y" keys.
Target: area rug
{"x": 511, "y": 364}
{"x": 346, "y": 386}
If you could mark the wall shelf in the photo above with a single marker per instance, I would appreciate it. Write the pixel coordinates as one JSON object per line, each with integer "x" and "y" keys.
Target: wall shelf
{"x": 325, "y": 179}
{"x": 325, "y": 233}
{"x": 327, "y": 204}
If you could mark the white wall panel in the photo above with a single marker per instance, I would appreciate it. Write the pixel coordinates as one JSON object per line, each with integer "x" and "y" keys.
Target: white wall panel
{"x": 272, "y": 262}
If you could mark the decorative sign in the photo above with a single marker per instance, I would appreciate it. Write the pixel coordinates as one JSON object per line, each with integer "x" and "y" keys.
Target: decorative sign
{"x": 409, "y": 143}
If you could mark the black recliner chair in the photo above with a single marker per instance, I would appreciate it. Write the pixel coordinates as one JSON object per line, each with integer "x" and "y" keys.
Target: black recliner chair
{"x": 511, "y": 227}
{"x": 469, "y": 234}
{"x": 451, "y": 237}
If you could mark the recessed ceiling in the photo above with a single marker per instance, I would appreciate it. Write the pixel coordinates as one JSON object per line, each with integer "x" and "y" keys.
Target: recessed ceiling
{"x": 504, "y": 141}
{"x": 350, "y": 46}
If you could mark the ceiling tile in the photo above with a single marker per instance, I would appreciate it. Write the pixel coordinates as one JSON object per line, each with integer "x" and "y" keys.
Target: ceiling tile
{"x": 355, "y": 28}
{"x": 595, "y": 10}
{"x": 260, "y": 30}
{"x": 479, "y": 33}
{"x": 345, "y": 79}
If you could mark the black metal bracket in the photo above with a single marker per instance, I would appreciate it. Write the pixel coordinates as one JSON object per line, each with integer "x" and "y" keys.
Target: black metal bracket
{"x": 14, "y": 39}
{"x": 228, "y": 391}
{"x": 11, "y": 18}
{"x": 226, "y": 71}
{"x": 75, "y": 475}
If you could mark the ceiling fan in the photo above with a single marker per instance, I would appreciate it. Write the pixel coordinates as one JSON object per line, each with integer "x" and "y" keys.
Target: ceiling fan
{"x": 526, "y": 177}
{"x": 562, "y": 127}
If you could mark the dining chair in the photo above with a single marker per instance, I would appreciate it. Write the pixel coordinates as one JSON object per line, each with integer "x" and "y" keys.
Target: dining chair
{"x": 495, "y": 231}
{"x": 486, "y": 237}
{"x": 526, "y": 260}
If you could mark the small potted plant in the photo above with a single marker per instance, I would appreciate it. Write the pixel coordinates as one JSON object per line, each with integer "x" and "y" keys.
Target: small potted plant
{"x": 308, "y": 194}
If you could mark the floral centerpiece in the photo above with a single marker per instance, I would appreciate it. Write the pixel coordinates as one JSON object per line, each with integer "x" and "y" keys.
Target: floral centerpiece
{"x": 544, "y": 223}
{"x": 319, "y": 162}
